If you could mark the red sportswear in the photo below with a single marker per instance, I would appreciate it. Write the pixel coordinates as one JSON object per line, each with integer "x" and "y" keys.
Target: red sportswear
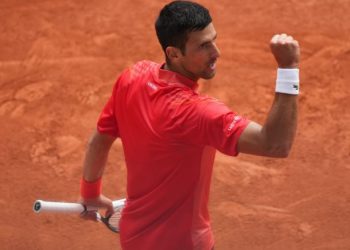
{"x": 169, "y": 134}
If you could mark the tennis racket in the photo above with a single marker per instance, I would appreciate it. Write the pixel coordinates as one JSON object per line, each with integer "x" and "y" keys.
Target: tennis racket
{"x": 111, "y": 221}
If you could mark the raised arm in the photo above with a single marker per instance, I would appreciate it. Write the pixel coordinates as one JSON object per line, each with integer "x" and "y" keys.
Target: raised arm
{"x": 275, "y": 137}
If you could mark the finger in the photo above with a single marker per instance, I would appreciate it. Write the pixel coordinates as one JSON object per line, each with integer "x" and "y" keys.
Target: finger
{"x": 275, "y": 38}
{"x": 282, "y": 39}
{"x": 89, "y": 215}
{"x": 109, "y": 211}
{"x": 296, "y": 43}
{"x": 289, "y": 39}
{"x": 107, "y": 204}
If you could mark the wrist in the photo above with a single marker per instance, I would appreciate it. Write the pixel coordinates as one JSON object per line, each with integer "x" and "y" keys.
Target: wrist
{"x": 287, "y": 81}
{"x": 90, "y": 189}
{"x": 289, "y": 66}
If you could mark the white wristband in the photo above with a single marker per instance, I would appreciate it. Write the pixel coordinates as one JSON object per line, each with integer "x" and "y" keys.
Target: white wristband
{"x": 287, "y": 81}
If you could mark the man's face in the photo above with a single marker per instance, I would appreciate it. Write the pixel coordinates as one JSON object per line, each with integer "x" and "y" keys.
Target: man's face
{"x": 201, "y": 53}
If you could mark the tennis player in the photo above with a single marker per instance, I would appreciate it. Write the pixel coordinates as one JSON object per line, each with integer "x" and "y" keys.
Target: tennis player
{"x": 170, "y": 133}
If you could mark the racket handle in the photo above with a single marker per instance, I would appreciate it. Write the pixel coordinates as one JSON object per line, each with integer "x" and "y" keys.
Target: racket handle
{"x": 118, "y": 203}
{"x": 57, "y": 207}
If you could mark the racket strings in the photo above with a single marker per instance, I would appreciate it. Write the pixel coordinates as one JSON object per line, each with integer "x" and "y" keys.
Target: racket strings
{"x": 115, "y": 218}
{"x": 113, "y": 221}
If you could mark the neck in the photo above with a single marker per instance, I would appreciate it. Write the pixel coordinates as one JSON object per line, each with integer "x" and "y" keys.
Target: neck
{"x": 180, "y": 71}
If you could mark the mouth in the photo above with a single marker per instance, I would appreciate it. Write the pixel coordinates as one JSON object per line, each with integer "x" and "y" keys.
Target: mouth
{"x": 212, "y": 65}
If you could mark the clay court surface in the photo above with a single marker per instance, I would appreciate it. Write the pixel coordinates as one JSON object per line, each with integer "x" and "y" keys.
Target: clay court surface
{"x": 59, "y": 61}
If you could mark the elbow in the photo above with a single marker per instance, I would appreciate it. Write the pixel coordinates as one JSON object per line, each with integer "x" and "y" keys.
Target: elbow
{"x": 278, "y": 151}
{"x": 92, "y": 142}
{"x": 283, "y": 153}
{"x": 100, "y": 141}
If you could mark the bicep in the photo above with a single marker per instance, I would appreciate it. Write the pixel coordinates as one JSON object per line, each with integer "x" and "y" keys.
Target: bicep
{"x": 101, "y": 140}
{"x": 251, "y": 140}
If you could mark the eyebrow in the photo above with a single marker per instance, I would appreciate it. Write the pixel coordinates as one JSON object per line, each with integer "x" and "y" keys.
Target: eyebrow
{"x": 208, "y": 41}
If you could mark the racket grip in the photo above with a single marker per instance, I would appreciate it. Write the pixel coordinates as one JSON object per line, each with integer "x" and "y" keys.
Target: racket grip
{"x": 118, "y": 203}
{"x": 57, "y": 207}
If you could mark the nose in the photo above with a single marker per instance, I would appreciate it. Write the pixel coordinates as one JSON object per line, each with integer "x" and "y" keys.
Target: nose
{"x": 216, "y": 52}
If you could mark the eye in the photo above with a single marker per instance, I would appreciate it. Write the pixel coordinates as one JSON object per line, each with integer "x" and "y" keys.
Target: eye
{"x": 205, "y": 45}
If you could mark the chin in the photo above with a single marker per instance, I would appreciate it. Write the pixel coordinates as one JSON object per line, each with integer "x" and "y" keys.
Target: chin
{"x": 208, "y": 76}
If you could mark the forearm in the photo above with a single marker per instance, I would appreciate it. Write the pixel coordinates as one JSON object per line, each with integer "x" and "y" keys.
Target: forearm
{"x": 96, "y": 156}
{"x": 279, "y": 130}
{"x": 94, "y": 164}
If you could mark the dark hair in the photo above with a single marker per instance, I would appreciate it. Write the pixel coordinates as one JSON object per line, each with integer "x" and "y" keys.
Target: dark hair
{"x": 177, "y": 19}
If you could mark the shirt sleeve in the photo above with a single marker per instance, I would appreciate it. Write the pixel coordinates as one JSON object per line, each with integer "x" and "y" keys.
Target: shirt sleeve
{"x": 210, "y": 122}
{"x": 107, "y": 121}
{"x": 221, "y": 128}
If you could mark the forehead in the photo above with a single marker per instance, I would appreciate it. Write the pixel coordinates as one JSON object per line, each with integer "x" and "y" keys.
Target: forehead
{"x": 201, "y": 36}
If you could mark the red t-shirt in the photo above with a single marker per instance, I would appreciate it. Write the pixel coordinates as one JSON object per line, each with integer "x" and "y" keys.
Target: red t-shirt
{"x": 169, "y": 134}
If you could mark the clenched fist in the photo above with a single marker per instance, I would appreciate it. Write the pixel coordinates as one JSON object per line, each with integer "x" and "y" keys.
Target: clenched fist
{"x": 285, "y": 50}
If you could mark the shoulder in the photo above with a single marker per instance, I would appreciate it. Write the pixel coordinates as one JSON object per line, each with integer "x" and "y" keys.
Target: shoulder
{"x": 140, "y": 70}
{"x": 187, "y": 106}
{"x": 209, "y": 106}
{"x": 143, "y": 67}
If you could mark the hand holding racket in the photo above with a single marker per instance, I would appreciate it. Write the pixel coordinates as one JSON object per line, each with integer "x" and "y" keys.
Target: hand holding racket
{"x": 111, "y": 220}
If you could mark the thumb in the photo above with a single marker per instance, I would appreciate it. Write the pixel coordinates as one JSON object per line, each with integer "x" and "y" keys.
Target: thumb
{"x": 108, "y": 205}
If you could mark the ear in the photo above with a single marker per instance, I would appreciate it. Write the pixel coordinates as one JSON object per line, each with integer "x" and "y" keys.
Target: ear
{"x": 172, "y": 53}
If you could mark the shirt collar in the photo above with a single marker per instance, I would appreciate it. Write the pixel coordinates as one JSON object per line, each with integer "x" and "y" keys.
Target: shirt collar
{"x": 171, "y": 77}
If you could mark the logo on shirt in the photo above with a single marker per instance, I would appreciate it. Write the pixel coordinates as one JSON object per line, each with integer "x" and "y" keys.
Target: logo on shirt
{"x": 152, "y": 85}
{"x": 233, "y": 123}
